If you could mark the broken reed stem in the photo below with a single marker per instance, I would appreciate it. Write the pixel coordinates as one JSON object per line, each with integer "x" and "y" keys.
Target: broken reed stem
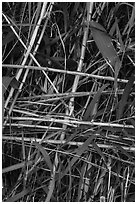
{"x": 33, "y": 126}
{"x": 107, "y": 78}
{"x": 26, "y": 139}
{"x": 55, "y": 97}
{"x": 69, "y": 122}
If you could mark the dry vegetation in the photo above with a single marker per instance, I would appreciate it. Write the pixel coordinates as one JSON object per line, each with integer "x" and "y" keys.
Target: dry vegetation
{"x": 68, "y": 102}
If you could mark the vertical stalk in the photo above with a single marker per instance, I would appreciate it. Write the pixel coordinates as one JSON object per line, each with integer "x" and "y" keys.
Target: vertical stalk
{"x": 89, "y": 7}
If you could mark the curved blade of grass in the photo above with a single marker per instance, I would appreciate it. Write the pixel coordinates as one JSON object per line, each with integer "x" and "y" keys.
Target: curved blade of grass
{"x": 8, "y": 38}
{"x": 132, "y": 121}
{"x": 79, "y": 151}
{"x": 16, "y": 166}
{"x": 45, "y": 155}
{"x": 97, "y": 26}
{"x": 119, "y": 37}
{"x": 18, "y": 196}
{"x": 52, "y": 180}
{"x": 124, "y": 98}
{"x": 105, "y": 46}
{"x": 97, "y": 148}
{"x": 70, "y": 138}
{"x": 103, "y": 42}
{"x": 63, "y": 7}
{"x": 51, "y": 189}
{"x": 88, "y": 114}
{"x": 5, "y": 83}
{"x": 113, "y": 28}
{"x": 81, "y": 181}
{"x": 124, "y": 151}
{"x": 130, "y": 23}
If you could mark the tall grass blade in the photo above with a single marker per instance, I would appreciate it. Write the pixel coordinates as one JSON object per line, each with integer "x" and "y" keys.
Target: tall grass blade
{"x": 97, "y": 148}
{"x": 79, "y": 151}
{"x": 88, "y": 114}
{"x": 51, "y": 189}
{"x": 16, "y": 166}
{"x": 124, "y": 98}
{"x": 6, "y": 80}
{"x": 45, "y": 155}
{"x": 104, "y": 43}
{"x": 124, "y": 151}
{"x": 18, "y": 196}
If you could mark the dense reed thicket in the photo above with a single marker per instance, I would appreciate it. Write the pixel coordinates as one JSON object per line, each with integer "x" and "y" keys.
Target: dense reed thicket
{"x": 68, "y": 101}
